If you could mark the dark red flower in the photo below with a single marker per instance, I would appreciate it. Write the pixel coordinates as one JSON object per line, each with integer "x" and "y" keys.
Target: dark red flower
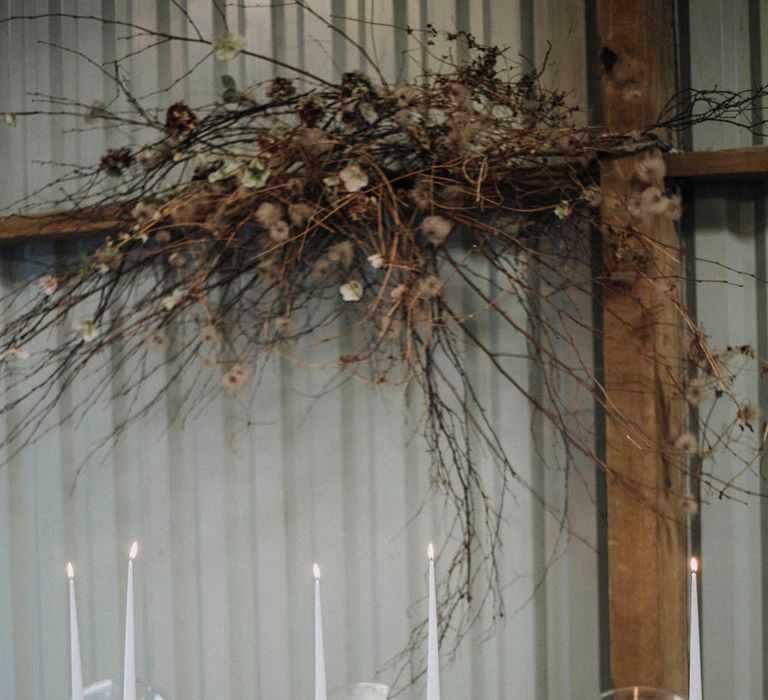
{"x": 115, "y": 161}
{"x": 280, "y": 88}
{"x": 310, "y": 113}
{"x": 180, "y": 120}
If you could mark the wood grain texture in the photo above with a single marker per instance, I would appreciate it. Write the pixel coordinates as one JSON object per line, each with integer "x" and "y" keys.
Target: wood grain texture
{"x": 723, "y": 164}
{"x": 78, "y": 222}
{"x": 642, "y": 348}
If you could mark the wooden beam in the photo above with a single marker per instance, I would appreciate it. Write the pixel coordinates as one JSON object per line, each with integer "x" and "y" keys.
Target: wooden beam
{"x": 698, "y": 165}
{"x": 641, "y": 351}
{"x": 718, "y": 165}
{"x": 76, "y": 222}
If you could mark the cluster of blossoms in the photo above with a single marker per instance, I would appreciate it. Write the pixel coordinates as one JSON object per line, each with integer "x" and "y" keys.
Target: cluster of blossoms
{"x": 279, "y": 196}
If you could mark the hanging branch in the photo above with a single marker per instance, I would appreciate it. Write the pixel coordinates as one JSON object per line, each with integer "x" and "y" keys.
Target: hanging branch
{"x": 407, "y": 216}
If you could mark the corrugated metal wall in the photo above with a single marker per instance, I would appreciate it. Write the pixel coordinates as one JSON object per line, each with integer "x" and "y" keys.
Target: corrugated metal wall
{"x": 232, "y": 510}
{"x": 231, "y": 515}
{"x": 727, "y": 245}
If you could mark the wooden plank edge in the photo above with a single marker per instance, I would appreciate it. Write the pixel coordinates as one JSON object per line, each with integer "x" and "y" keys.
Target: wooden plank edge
{"x": 76, "y": 222}
{"x": 722, "y": 164}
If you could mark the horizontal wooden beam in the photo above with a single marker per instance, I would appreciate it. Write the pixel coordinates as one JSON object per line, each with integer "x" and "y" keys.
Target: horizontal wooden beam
{"x": 76, "y": 222}
{"x": 723, "y": 164}
{"x": 698, "y": 165}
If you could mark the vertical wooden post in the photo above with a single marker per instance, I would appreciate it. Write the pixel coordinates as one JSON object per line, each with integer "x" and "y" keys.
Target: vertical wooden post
{"x": 642, "y": 355}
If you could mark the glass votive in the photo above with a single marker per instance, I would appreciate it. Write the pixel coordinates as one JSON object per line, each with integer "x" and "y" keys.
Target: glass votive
{"x": 367, "y": 691}
{"x": 113, "y": 690}
{"x": 637, "y": 692}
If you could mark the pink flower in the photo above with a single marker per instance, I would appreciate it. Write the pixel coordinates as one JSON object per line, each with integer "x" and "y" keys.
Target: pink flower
{"x": 235, "y": 379}
{"x": 15, "y": 354}
{"x": 436, "y": 229}
{"x": 156, "y": 341}
{"x": 49, "y": 284}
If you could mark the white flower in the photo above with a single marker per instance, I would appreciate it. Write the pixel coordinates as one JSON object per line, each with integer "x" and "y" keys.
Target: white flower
{"x": 144, "y": 212}
{"x": 376, "y": 260}
{"x": 255, "y": 175}
{"x": 177, "y": 259}
{"x": 173, "y": 299}
{"x": 150, "y": 158}
{"x": 269, "y": 213}
{"x": 86, "y": 328}
{"x": 227, "y": 46}
{"x": 49, "y": 284}
{"x": 563, "y": 210}
{"x": 674, "y": 209}
{"x": 652, "y": 201}
{"x": 353, "y": 177}
{"x": 300, "y": 213}
{"x": 436, "y": 229}
{"x": 315, "y": 141}
{"x": 429, "y": 287}
{"x": 651, "y": 169}
{"x": 690, "y": 505}
{"x": 15, "y": 354}
{"x": 405, "y": 117}
{"x": 406, "y": 94}
{"x": 331, "y": 183}
{"x": 209, "y": 335}
{"x": 235, "y": 379}
{"x": 687, "y": 443}
{"x": 342, "y": 253}
{"x": 695, "y": 391}
{"x": 351, "y": 291}
{"x": 224, "y": 172}
{"x": 397, "y": 293}
{"x": 279, "y": 231}
{"x": 748, "y": 414}
{"x": 156, "y": 341}
{"x": 368, "y": 113}
{"x": 321, "y": 268}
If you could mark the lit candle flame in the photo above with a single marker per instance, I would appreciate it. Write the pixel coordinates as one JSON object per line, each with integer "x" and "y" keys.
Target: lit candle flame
{"x": 694, "y": 565}
{"x": 316, "y": 572}
{"x": 70, "y": 571}
{"x": 431, "y": 552}
{"x": 134, "y": 551}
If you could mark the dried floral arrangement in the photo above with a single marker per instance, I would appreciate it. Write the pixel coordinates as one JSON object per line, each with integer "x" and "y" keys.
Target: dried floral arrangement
{"x": 395, "y": 215}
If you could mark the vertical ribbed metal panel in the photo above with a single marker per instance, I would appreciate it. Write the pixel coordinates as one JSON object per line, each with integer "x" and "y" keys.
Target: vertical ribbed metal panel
{"x": 232, "y": 509}
{"x": 727, "y": 46}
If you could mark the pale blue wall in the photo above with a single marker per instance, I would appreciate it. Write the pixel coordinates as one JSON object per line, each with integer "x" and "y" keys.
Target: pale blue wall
{"x": 231, "y": 516}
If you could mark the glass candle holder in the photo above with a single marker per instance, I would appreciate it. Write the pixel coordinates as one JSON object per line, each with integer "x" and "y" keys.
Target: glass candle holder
{"x": 637, "y": 692}
{"x": 113, "y": 690}
{"x": 367, "y": 691}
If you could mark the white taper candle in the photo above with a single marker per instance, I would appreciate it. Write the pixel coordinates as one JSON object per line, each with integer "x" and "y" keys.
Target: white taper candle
{"x": 321, "y": 692}
{"x": 694, "y": 640}
{"x": 74, "y": 639}
{"x": 129, "y": 665}
{"x": 433, "y": 659}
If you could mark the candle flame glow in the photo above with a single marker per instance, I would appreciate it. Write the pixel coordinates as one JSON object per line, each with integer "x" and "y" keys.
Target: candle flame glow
{"x": 134, "y": 551}
{"x": 316, "y": 572}
{"x": 70, "y": 571}
{"x": 694, "y": 565}
{"x": 431, "y": 552}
